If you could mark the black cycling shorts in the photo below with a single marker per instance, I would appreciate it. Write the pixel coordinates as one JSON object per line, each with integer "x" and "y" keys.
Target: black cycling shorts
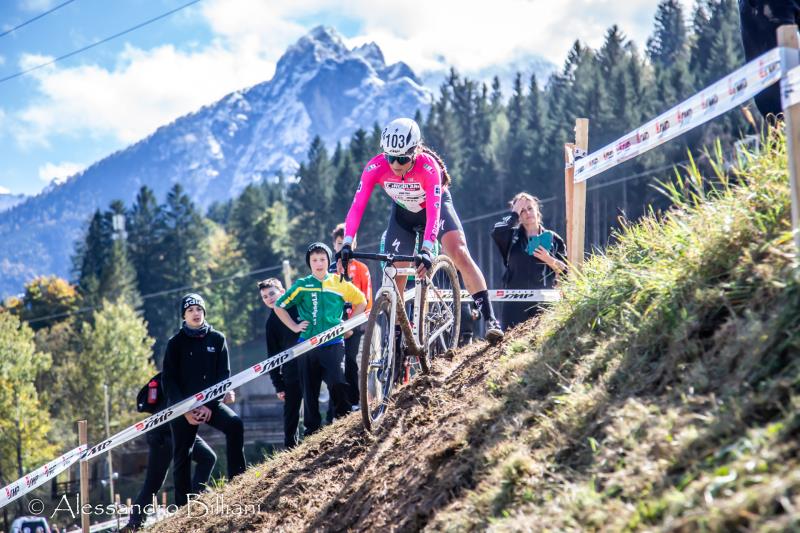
{"x": 404, "y": 232}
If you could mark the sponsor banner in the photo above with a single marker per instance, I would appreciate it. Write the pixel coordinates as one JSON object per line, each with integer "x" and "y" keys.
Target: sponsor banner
{"x": 790, "y": 88}
{"x": 35, "y": 479}
{"x": 729, "y": 92}
{"x": 515, "y": 295}
{"x": 219, "y": 389}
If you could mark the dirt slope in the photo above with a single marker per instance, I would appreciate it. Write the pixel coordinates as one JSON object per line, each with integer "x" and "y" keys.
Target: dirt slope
{"x": 344, "y": 478}
{"x": 660, "y": 394}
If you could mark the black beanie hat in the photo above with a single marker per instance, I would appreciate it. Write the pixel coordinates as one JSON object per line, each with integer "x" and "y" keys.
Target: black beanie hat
{"x": 315, "y": 247}
{"x": 192, "y": 299}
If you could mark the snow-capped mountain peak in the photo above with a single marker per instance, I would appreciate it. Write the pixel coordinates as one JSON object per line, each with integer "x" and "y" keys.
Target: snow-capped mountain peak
{"x": 320, "y": 87}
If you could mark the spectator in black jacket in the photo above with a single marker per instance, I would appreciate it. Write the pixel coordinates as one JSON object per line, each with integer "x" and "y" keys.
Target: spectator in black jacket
{"x": 533, "y": 256}
{"x": 759, "y": 21}
{"x": 196, "y": 357}
{"x": 285, "y": 378}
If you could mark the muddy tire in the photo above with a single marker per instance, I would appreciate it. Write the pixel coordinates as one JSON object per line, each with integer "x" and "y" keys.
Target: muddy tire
{"x": 440, "y": 308}
{"x": 376, "y": 377}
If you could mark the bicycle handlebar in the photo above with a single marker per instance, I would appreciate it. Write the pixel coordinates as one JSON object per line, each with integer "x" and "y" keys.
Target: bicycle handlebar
{"x": 388, "y": 258}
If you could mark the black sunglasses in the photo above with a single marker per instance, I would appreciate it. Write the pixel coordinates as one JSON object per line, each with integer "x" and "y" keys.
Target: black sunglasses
{"x": 402, "y": 159}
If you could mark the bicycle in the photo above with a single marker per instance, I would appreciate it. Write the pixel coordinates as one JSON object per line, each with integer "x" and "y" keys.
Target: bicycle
{"x": 434, "y": 332}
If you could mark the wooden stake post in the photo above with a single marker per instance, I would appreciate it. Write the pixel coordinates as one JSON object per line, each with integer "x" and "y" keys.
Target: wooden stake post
{"x": 569, "y": 186}
{"x": 83, "y": 438}
{"x": 788, "y": 38}
{"x": 576, "y": 195}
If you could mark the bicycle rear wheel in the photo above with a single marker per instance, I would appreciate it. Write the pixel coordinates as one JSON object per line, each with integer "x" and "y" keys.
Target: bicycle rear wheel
{"x": 440, "y": 316}
{"x": 376, "y": 378}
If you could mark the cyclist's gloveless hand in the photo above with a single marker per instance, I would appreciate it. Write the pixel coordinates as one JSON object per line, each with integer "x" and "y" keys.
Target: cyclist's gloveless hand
{"x": 423, "y": 260}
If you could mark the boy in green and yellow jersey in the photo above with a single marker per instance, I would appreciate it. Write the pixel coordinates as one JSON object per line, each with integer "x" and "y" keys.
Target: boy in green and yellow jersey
{"x": 319, "y": 299}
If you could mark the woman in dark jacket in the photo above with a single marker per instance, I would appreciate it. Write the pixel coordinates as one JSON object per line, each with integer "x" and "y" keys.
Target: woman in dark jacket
{"x": 533, "y": 256}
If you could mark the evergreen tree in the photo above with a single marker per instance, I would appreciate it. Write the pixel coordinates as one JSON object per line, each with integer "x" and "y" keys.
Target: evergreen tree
{"x": 183, "y": 259}
{"x": 105, "y": 269}
{"x": 246, "y": 213}
{"x": 532, "y": 144}
{"x": 146, "y": 249}
{"x": 347, "y": 177}
{"x": 311, "y": 198}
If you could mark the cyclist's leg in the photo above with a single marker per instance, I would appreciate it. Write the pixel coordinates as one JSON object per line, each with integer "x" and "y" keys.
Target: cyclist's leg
{"x": 454, "y": 245}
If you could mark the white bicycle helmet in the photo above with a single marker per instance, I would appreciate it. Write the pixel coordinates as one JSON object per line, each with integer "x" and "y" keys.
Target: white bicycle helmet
{"x": 400, "y": 137}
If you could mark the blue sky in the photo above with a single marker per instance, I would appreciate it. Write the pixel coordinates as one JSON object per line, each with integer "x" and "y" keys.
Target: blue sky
{"x": 60, "y": 119}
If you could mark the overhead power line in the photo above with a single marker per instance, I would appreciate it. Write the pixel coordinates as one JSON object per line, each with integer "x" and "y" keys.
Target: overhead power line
{"x": 98, "y": 43}
{"x": 37, "y": 17}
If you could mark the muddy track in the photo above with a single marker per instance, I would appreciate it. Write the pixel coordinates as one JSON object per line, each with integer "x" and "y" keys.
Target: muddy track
{"x": 344, "y": 478}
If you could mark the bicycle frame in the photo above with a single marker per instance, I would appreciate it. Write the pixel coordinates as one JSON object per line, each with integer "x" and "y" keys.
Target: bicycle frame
{"x": 389, "y": 284}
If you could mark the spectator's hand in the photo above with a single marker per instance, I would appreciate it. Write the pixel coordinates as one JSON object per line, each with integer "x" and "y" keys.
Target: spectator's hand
{"x": 202, "y": 414}
{"x": 282, "y": 396}
{"x": 348, "y": 333}
{"x": 302, "y": 326}
{"x": 423, "y": 261}
{"x": 229, "y": 397}
{"x": 544, "y": 256}
{"x": 192, "y": 417}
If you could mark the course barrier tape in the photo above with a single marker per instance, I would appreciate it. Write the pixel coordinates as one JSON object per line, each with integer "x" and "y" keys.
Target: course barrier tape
{"x": 727, "y": 93}
{"x": 26, "y": 484}
{"x": 514, "y": 295}
{"x": 790, "y": 88}
{"x": 36, "y": 478}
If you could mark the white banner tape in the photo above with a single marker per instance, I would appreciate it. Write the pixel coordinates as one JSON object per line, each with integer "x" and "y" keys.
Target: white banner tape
{"x": 36, "y": 478}
{"x": 215, "y": 391}
{"x": 790, "y": 88}
{"x": 31, "y": 481}
{"x": 515, "y": 295}
{"x": 729, "y": 92}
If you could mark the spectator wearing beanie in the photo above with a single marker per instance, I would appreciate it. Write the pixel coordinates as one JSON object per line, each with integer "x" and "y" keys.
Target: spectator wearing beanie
{"x": 196, "y": 357}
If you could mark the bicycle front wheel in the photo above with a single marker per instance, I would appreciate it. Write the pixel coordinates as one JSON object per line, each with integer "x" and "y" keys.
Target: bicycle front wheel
{"x": 440, "y": 316}
{"x": 376, "y": 378}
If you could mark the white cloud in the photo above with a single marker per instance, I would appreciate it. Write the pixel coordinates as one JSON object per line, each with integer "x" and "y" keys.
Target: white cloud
{"x": 2, "y": 60}
{"x": 148, "y": 88}
{"x": 4, "y": 190}
{"x": 36, "y": 5}
{"x": 436, "y": 35}
{"x": 58, "y": 173}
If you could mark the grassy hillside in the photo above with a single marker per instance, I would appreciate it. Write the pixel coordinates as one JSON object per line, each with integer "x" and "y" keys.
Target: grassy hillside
{"x": 660, "y": 394}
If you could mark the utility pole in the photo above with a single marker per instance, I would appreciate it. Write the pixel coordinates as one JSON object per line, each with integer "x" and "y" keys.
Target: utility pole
{"x": 108, "y": 434}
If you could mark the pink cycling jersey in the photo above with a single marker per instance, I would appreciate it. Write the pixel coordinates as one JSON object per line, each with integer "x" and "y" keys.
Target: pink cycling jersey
{"x": 420, "y": 188}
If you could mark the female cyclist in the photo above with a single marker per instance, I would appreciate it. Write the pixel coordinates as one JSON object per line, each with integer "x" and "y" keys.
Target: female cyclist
{"x": 416, "y": 179}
